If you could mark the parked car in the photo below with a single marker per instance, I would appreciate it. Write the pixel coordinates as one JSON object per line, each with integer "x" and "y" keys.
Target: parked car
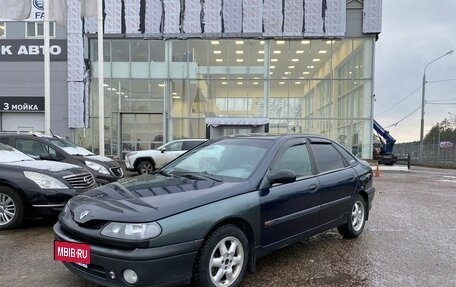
{"x": 146, "y": 161}
{"x": 30, "y": 188}
{"x": 209, "y": 214}
{"x": 55, "y": 148}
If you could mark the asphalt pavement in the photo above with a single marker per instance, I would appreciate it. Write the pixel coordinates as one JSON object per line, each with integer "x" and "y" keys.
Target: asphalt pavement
{"x": 409, "y": 240}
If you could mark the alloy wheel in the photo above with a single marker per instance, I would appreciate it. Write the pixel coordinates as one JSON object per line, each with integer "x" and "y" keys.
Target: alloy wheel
{"x": 7, "y": 209}
{"x": 357, "y": 215}
{"x": 226, "y": 262}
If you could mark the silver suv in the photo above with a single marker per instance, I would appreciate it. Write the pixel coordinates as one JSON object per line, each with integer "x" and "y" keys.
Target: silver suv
{"x": 146, "y": 161}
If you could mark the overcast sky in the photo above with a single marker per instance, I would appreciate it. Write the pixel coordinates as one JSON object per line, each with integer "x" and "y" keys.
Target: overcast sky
{"x": 413, "y": 34}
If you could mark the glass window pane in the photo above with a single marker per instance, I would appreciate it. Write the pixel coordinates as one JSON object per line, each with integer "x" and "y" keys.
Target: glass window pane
{"x": 138, "y": 99}
{"x": 179, "y": 51}
{"x": 31, "y": 29}
{"x": 327, "y": 157}
{"x": 295, "y": 158}
{"x": 106, "y": 50}
{"x": 51, "y": 29}
{"x": 40, "y": 29}
{"x": 120, "y": 50}
{"x": 139, "y": 51}
{"x": 197, "y": 52}
{"x": 176, "y": 146}
{"x": 157, "y": 50}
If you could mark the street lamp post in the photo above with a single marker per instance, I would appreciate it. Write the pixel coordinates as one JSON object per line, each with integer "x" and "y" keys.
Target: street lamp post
{"x": 423, "y": 100}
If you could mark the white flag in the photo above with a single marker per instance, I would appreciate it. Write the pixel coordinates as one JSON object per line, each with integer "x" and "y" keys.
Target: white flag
{"x": 89, "y": 8}
{"x": 15, "y": 9}
{"x": 58, "y": 10}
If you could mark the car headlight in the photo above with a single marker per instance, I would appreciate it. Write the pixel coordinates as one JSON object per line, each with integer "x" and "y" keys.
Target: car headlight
{"x": 44, "y": 181}
{"x": 130, "y": 154}
{"x": 132, "y": 231}
{"x": 96, "y": 166}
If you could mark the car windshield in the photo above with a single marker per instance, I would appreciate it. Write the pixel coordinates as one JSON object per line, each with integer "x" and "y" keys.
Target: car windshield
{"x": 9, "y": 154}
{"x": 69, "y": 147}
{"x": 227, "y": 159}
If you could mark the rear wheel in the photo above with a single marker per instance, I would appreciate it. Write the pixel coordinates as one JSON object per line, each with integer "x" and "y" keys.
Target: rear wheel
{"x": 356, "y": 219}
{"x": 12, "y": 212}
{"x": 145, "y": 166}
{"x": 223, "y": 258}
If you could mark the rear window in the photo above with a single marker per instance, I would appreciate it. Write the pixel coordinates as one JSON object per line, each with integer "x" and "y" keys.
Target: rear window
{"x": 348, "y": 156}
{"x": 327, "y": 157}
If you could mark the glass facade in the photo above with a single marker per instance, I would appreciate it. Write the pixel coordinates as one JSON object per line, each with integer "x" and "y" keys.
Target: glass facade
{"x": 157, "y": 91}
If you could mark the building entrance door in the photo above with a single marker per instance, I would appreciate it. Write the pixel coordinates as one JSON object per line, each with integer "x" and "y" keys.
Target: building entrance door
{"x": 140, "y": 131}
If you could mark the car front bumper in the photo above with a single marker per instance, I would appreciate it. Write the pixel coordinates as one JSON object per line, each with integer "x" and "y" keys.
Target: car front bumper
{"x": 129, "y": 163}
{"x": 48, "y": 201}
{"x": 160, "y": 266}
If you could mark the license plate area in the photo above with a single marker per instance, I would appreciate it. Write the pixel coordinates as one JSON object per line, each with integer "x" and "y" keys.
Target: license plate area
{"x": 77, "y": 253}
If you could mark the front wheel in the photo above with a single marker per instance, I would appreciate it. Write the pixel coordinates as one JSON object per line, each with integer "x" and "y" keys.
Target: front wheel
{"x": 12, "y": 211}
{"x": 356, "y": 219}
{"x": 145, "y": 166}
{"x": 223, "y": 258}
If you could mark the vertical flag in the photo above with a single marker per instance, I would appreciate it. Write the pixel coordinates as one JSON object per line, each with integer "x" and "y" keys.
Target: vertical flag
{"x": 89, "y": 8}
{"x": 15, "y": 9}
{"x": 58, "y": 10}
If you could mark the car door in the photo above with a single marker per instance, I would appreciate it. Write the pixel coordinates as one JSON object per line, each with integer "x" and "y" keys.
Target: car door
{"x": 337, "y": 181}
{"x": 290, "y": 208}
{"x": 170, "y": 152}
{"x": 36, "y": 148}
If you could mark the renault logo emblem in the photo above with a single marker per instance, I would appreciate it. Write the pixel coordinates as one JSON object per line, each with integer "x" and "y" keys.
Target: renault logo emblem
{"x": 83, "y": 214}
{"x": 87, "y": 179}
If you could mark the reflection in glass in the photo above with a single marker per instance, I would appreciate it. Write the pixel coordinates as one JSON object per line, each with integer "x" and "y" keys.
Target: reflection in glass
{"x": 313, "y": 86}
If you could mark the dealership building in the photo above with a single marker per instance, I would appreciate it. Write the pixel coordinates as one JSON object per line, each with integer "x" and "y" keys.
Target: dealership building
{"x": 174, "y": 68}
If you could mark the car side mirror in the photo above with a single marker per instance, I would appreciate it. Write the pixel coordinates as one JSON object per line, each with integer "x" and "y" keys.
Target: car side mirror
{"x": 282, "y": 176}
{"x": 163, "y": 150}
{"x": 46, "y": 156}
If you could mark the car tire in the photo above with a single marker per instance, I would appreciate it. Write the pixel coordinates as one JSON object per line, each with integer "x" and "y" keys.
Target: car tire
{"x": 223, "y": 258}
{"x": 356, "y": 219}
{"x": 145, "y": 166}
{"x": 12, "y": 211}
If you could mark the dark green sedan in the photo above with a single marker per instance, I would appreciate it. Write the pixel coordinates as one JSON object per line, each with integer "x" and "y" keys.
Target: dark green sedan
{"x": 207, "y": 216}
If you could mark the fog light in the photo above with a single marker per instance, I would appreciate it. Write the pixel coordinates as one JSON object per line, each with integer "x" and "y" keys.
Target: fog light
{"x": 130, "y": 276}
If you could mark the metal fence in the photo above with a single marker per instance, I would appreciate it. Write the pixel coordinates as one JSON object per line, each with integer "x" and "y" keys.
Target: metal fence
{"x": 433, "y": 154}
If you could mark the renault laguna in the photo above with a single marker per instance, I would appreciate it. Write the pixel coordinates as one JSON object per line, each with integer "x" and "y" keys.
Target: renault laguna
{"x": 207, "y": 216}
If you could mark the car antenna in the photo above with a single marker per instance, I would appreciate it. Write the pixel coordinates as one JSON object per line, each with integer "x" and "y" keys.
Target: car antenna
{"x": 52, "y": 133}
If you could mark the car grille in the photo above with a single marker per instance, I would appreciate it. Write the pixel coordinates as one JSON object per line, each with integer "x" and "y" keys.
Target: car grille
{"x": 80, "y": 181}
{"x": 117, "y": 171}
{"x": 92, "y": 269}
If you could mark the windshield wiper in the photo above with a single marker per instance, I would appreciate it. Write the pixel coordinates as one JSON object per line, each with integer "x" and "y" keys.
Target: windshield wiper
{"x": 164, "y": 173}
{"x": 197, "y": 176}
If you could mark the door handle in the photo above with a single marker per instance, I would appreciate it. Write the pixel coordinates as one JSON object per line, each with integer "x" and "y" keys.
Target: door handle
{"x": 313, "y": 188}
{"x": 351, "y": 177}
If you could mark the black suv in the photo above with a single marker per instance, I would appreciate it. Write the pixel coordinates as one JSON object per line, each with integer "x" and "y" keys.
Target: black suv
{"x": 52, "y": 147}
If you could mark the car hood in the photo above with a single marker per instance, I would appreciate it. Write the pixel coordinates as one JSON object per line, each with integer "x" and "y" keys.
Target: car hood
{"x": 150, "y": 152}
{"x": 149, "y": 198}
{"x": 43, "y": 165}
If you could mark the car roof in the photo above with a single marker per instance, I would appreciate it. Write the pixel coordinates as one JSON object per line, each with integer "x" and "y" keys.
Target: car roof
{"x": 29, "y": 134}
{"x": 269, "y": 136}
{"x": 184, "y": 140}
